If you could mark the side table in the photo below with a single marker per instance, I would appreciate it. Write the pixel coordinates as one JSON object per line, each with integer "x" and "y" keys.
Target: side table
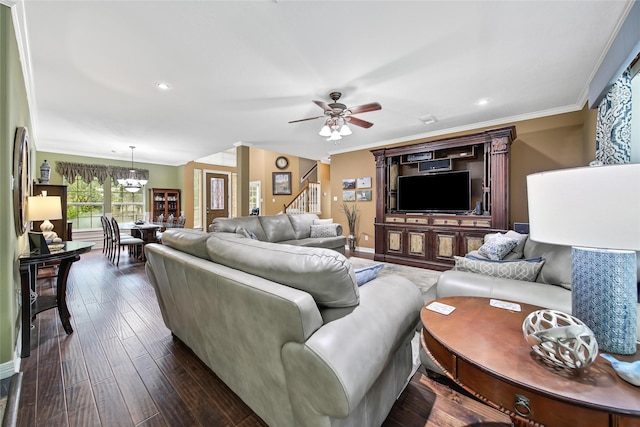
{"x": 482, "y": 348}
{"x": 69, "y": 254}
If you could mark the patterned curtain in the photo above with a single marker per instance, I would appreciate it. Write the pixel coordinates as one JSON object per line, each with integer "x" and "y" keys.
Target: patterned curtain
{"x": 613, "y": 129}
{"x": 102, "y": 172}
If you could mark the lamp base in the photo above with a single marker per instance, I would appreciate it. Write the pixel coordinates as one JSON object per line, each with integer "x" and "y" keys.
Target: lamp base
{"x": 604, "y": 296}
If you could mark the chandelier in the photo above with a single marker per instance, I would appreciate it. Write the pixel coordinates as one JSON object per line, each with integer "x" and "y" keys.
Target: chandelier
{"x": 335, "y": 128}
{"x": 132, "y": 184}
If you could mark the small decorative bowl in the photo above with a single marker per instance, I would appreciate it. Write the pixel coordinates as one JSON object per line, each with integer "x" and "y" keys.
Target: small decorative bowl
{"x": 560, "y": 339}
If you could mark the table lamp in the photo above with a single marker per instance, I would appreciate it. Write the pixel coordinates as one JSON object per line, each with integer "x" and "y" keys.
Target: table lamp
{"x": 596, "y": 210}
{"x": 44, "y": 208}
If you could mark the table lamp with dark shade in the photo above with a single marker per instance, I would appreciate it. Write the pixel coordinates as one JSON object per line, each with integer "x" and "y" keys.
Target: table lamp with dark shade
{"x": 45, "y": 208}
{"x": 596, "y": 211}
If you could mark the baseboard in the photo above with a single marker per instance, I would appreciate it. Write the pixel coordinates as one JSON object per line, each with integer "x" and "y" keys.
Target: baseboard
{"x": 365, "y": 250}
{"x": 7, "y": 369}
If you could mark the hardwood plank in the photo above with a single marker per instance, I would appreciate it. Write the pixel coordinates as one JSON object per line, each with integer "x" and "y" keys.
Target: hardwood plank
{"x": 110, "y": 403}
{"x": 171, "y": 405}
{"x": 96, "y": 361}
{"x": 137, "y": 398}
{"x": 155, "y": 421}
{"x": 83, "y": 411}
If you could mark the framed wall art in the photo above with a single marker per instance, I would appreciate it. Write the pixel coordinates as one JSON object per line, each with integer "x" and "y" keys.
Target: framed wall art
{"x": 349, "y": 184}
{"x": 363, "y": 195}
{"x": 281, "y": 183}
{"x": 21, "y": 179}
{"x": 364, "y": 182}
{"x": 349, "y": 196}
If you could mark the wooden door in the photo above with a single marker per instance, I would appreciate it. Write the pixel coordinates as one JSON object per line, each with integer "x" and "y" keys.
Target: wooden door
{"x": 217, "y": 196}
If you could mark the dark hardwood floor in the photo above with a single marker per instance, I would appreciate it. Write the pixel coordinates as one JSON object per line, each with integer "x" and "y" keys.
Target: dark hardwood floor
{"x": 121, "y": 366}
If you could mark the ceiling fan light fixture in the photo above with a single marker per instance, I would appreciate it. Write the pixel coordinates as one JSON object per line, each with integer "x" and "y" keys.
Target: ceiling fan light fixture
{"x": 335, "y": 136}
{"x": 345, "y": 130}
{"x": 325, "y": 131}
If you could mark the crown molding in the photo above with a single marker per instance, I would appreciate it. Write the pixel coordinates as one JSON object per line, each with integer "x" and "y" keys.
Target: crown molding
{"x": 9, "y": 3}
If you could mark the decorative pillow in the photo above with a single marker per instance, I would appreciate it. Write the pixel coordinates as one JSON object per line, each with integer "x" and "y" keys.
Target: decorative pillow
{"x": 246, "y": 233}
{"x": 518, "y": 269}
{"x": 497, "y": 246}
{"x": 319, "y": 221}
{"x": 323, "y": 230}
{"x": 471, "y": 256}
{"x": 521, "y": 238}
{"x": 367, "y": 274}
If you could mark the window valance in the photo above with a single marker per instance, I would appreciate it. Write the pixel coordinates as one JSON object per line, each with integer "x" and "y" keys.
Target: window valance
{"x": 102, "y": 172}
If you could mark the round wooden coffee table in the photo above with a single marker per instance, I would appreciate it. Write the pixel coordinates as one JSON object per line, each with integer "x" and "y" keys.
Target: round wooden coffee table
{"x": 482, "y": 348}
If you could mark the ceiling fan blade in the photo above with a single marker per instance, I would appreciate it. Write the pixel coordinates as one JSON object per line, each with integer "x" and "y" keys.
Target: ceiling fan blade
{"x": 323, "y": 105}
{"x": 374, "y": 106}
{"x": 359, "y": 122}
{"x": 304, "y": 120}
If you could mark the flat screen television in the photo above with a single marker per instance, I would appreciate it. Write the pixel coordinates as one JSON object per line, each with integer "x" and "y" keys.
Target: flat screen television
{"x": 447, "y": 192}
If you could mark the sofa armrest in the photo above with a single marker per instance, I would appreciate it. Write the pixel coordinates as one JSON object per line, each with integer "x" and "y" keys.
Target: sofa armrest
{"x": 462, "y": 283}
{"x": 332, "y": 371}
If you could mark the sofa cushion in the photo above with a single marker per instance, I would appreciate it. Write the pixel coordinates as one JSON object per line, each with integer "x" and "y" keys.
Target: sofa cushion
{"x": 325, "y": 274}
{"x": 526, "y": 270}
{"x": 193, "y": 242}
{"x": 323, "y": 221}
{"x": 557, "y": 268}
{"x": 277, "y": 228}
{"x": 323, "y": 230}
{"x": 302, "y": 223}
{"x": 497, "y": 246}
{"x": 231, "y": 225}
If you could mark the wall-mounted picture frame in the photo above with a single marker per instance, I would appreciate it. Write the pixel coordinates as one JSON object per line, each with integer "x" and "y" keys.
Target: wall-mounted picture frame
{"x": 363, "y": 195}
{"x": 349, "y": 196}
{"x": 364, "y": 182}
{"x": 348, "y": 184}
{"x": 21, "y": 179}
{"x": 281, "y": 183}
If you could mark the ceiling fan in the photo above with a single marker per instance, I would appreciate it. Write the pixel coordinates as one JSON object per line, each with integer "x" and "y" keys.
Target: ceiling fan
{"x": 338, "y": 115}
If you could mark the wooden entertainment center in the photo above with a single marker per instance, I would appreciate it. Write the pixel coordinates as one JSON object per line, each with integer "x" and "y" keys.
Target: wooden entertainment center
{"x": 432, "y": 239}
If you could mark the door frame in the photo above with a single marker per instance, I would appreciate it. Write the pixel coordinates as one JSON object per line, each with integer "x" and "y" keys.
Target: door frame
{"x": 203, "y": 186}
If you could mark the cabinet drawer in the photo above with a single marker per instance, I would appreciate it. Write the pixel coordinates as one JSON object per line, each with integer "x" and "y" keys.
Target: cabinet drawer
{"x": 475, "y": 223}
{"x": 443, "y": 221}
{"x": 393, "y": 219}
{"x": 417, "y": 221}
{"x": 541, "y": 409}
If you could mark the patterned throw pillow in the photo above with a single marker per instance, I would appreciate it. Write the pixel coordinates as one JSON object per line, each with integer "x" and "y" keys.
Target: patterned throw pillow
{"x": 319, "y": 221}
{"x": 323, "y": 230}
{"x": 497, "y": 246}
{"x": 526, "y": 270}
{"x": 367, "y": 274}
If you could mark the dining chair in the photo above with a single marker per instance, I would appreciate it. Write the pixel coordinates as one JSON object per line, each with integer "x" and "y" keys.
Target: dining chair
{"x": 105, "y": 235}
{"x": 134, "y": 244}
{"x": 181, "y": 221}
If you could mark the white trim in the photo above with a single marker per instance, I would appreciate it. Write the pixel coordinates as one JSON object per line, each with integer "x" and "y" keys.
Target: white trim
{"x": 20, "y": 27}
{"x": 7, "y": 369}
{"x": 360, "y": 249}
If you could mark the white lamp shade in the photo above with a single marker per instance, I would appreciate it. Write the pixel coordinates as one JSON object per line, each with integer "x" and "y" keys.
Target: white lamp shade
{"x": 44, "y": 208}
{"x": 325, "y": 131}
{"x": 595, "y": 207}
{"x": 345, "y": 130}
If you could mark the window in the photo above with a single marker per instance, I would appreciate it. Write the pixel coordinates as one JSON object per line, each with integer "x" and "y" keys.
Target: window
{"x": 254, "y": 197}
{"x": 197, "y": 194}
{"x": 126, "y": 206}
{"x": 85, "y": 204}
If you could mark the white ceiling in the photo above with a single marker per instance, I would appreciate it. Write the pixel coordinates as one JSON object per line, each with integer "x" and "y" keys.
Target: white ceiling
{"x": 239, "y": 71}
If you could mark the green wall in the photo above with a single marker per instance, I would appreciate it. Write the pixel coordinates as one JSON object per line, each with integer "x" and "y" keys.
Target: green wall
{"x": 14, "y": 112}
{"x": 160, "y": 176}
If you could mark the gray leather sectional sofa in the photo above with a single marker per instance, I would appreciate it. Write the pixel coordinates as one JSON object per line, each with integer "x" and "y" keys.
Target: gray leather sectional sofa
{"x": 286, "y": 327}
{"x": 291, "y": 229}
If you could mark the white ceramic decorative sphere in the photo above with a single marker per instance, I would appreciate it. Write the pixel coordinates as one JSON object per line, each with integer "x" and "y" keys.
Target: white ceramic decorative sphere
{"x": 560, "y": 339}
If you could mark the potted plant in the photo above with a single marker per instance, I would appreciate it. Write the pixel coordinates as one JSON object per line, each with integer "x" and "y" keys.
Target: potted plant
{"x": 352, "y": 217}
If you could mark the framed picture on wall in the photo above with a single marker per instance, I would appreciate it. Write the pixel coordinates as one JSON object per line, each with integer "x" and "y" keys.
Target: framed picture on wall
{"x": 348, "y": 184}
{"x": 363, "y": 195}
{"x": 364, "y": 182}
{"x": 349, "y": 196}
{"x": 281, "y": 183}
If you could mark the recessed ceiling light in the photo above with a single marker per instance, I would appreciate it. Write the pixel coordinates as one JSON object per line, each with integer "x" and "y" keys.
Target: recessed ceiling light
{"x": 427, "y": 119}
{"x": 483, "y": 101}
{"x": 163, "y": 86}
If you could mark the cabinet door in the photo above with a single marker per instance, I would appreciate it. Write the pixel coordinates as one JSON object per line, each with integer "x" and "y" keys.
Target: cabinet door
{"x": 417, "y": 243}
{"x": 445, "y": 245}
{"x": 395, "y": 240}
{"x": 470, "y": 241}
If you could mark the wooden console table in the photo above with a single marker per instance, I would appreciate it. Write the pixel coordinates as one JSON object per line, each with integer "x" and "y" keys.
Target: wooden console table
{"x": 482, "y": 348}
{"x": 28, "y": 274}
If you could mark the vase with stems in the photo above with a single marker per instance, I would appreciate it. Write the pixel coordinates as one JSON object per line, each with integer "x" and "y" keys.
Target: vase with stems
{"x": 352, "y": 217}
